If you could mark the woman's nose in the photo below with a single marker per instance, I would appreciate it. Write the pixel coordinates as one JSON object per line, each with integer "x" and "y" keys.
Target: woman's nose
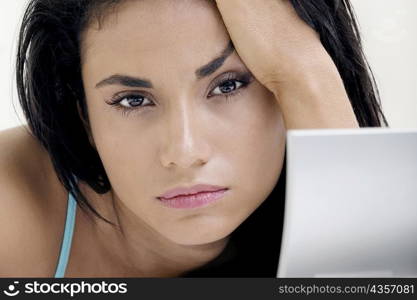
{"x": 185, "y": 144}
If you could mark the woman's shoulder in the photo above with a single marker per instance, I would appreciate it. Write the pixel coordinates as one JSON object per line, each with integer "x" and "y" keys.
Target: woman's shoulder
{"x": 32, "y": 206}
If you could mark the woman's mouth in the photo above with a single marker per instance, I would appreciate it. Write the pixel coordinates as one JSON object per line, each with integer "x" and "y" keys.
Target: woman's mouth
{"x": 196, "y": 196}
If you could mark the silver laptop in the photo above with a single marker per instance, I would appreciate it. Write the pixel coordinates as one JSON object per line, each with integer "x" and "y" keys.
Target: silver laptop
{"x": 351, "y": 203}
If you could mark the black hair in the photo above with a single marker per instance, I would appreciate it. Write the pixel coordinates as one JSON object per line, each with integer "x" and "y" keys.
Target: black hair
{"x": 50, "y": 91}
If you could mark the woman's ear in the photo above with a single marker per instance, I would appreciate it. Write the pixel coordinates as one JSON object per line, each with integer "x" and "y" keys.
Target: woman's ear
{"x": 86, "y": 126}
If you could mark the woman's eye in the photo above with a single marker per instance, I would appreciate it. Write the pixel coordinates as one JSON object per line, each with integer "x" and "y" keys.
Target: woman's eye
{"x": 134, "y": 101}
{"x": 227, "y": 87}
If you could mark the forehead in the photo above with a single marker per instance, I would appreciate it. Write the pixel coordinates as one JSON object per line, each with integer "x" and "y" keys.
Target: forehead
{"x": 169, "y": 33}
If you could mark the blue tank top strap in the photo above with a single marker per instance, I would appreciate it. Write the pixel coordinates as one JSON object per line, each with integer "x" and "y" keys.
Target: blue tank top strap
{"x": 67, "y": 239}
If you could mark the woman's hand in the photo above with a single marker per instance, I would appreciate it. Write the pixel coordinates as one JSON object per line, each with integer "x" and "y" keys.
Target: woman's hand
{"x": 287, "y": 57}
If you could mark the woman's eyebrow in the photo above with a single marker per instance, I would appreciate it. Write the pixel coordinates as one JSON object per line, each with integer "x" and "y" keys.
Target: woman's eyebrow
{"x": 216, "y": 63}
{"x": 201, "y": 72}
{"x": 126, "y": 81}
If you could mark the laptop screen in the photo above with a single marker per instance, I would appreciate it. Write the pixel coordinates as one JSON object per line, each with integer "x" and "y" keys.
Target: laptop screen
{"x": 351, "y": 203}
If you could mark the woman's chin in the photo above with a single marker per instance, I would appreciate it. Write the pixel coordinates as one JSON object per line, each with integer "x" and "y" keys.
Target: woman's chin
{"x": 201, "y": 236}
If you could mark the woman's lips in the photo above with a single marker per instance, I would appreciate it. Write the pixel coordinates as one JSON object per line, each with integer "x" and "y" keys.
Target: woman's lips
{"x": 193, "y": 200}
{"x": 196, "y": 196}
{"x": 198, "y": 188}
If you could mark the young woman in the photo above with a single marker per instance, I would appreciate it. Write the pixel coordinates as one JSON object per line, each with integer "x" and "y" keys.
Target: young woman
{"x": 155, "y": 144}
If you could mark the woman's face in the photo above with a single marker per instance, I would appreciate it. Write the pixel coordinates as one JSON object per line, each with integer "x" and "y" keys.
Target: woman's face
{"x": 171, "y": 124}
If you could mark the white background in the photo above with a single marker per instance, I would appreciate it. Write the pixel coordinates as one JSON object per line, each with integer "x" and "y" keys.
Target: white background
{"x": 389, "y": 31}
